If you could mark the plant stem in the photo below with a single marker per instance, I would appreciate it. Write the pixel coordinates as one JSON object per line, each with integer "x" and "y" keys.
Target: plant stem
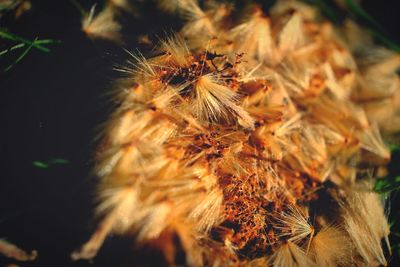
{"x": 21, "y": 56}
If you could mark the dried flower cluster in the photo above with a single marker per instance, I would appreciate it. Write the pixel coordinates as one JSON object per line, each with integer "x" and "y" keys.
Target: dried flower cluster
{"x": 252, "y": 142}
{"x": 18, "y": 7}
{"x": 12, "y": 251}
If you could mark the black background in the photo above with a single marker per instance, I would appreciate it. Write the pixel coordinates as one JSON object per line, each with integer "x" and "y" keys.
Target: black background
{"x": 51, "y": 105}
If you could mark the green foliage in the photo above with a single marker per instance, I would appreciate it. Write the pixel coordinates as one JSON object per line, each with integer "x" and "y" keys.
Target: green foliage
{"x": 25, "y": 44}
{"x": 391, "y": 182}
{"x": 354, "y": 10}
{"x": 49, "y": 163}
{"x": 38, "y": 44}
{"x": 387, "y": 185}
{"x": 376, "y": 29}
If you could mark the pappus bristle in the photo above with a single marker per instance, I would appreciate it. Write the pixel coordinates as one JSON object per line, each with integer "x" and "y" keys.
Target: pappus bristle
{"x": 254, "y": 36}
{"x": 176, "y": 51}
{"x": 289, "y": 125}
{"x": 365, "y": 223}
{"x": 291, "y": 36}
{"x": 330, "y": 248}
{"x": 296, "y": 227}
{"x": 142, "y": 70}
{"x": 283, "y": 7}
{"x": 372, "y": 142}
{"x": 102, "y": 25}
{"x": 122, "y": 4}
{"x": 290, "y": 255}
{"x": 207, "y": 212}
{"x": 339, "y": 87}
{"x": 385, "y": 112}
{"x": 198, "y": 22}
{"x": 215, "y": 102}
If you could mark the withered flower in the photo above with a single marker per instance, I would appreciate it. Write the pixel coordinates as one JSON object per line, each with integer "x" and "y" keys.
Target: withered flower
{"x": 252, "y": 143}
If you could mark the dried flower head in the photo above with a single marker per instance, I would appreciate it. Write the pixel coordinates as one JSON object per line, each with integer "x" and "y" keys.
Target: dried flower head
{"x": 102, "y": 25}
{"x": 12, "y": 251}
{"x": 250, "y": 143}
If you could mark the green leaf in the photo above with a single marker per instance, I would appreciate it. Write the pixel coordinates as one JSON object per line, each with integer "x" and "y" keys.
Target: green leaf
{"x": 20, "y": 57}
{"x": 15, "y": 47}
{"x": 38, "y": 44}
{"x": 58, "y": 161}
{"x": 387, "y": 185}
{"x": 49, "y": 163}
{"x": 360, "y": 12}
{"x": 40, "y": 164}
{"x": 394, "y": 147}
{"x": 12, "y": 37}
{"x": 386, "y": 41}
{"x": 377, "y": 30}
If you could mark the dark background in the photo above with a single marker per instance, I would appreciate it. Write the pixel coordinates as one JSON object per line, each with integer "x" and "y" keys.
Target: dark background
{"x": 51, "y": 106}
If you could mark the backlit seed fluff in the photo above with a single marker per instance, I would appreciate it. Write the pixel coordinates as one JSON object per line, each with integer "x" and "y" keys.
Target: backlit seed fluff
{"x": 102, "y": 25}
{"x": 243, "y": 138}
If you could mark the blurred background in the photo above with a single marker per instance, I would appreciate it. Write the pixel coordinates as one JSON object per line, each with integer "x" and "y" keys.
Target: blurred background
{"x": 51, "y": 106}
